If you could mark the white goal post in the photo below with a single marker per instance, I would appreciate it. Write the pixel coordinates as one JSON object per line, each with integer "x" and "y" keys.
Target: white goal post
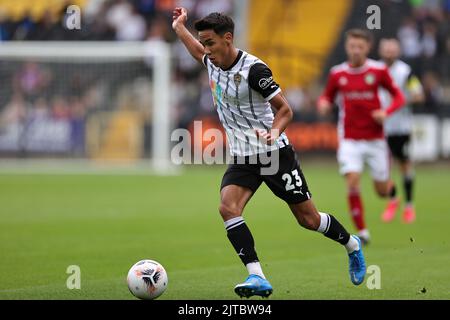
{"x": 157, "y": 54}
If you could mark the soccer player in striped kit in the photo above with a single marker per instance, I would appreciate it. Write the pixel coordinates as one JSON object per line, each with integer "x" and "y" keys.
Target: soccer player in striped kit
{"x": 354, "y": 86}
{"x": 244, "y": 93}
{"x": 399, "y": 126}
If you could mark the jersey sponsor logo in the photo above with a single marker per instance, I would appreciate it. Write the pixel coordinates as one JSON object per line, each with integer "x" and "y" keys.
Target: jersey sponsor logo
{"x": 220, "y": 96}
{"x": 264, "y": 83}
{"x": 369, "y": 79}
{"x": 360, "y": 95}
{"x": 217, "y": 92}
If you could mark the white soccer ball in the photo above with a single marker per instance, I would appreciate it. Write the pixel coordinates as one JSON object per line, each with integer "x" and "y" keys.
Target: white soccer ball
{"x": 147, "y": 279}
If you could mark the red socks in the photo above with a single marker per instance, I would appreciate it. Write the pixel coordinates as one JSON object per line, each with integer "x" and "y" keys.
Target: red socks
{"x": 356, "y": 209}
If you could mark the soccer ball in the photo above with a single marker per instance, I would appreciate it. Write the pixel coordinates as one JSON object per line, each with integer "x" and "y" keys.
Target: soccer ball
{"x": 147, "y": 279}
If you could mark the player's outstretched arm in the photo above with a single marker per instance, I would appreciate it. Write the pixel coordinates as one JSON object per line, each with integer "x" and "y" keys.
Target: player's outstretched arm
{"x": 194, "y": 47}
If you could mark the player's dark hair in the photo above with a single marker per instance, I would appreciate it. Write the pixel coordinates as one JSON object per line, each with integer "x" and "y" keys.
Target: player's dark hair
{"x": 217, "y": 22}
{"x": 360, "y": 34}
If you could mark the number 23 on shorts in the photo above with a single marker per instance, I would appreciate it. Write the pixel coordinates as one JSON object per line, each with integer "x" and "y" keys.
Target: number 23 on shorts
{"x": 290, "y": 178}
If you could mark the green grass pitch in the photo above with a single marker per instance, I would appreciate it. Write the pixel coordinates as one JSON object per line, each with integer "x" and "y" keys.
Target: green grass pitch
{"x": 105, "y": 223}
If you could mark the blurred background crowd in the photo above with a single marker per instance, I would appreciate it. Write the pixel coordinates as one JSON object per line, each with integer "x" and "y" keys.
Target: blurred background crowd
{"x": 34, "y": 90}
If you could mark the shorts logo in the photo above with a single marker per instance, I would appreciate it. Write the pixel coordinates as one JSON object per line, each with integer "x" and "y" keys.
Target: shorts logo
{"x": 264, "y": 83}
{"x": 369, "y": 79}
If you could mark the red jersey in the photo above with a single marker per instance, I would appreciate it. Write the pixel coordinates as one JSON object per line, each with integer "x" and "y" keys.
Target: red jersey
{"x": 356, "y": 94}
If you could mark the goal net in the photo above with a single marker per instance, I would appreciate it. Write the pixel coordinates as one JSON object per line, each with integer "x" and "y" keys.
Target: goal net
{"x": 86, "y": 100}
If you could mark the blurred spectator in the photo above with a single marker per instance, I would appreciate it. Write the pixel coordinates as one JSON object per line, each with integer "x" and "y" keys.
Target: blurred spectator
{"x": 159, "y": 29}
{"x": 24, "y": 28}
{"x": 146, "y": 8}
{"x": 94, "y": 21}
{"x": 409, "y": 37}
{"x": 4, "y": 26}
{"x": 123, "y": 17}
{"x": 60, "y": 108}
{"x": 296, "y": 99}
{"x": 118, "y": 13}
{"x": 165, "y": 6}
{"x": 14, "y": 112}
{"x": 94, "y": 9}
{"x": 302, "y": 102}
{"x": 205, "y": 99}
{"x": 31, "y": 80}
{"x": 434, "y": 92}
{"x": 133, "y": 28}
{"x": 429, "y": 39}
{"x": 429, "y": 46}
{"x": 187, "y": 67}
{"x": 108, "y": 20}
{"x": 49, "y": 27}
{"x": 78, "y": 113}
{"x": 41, "y": 109}
{"x": 204, "y": 7}
{"x": 189, "y": 5}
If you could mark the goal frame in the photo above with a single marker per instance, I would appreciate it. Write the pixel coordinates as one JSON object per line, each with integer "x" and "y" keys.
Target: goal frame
{"x": 158, "y": 52}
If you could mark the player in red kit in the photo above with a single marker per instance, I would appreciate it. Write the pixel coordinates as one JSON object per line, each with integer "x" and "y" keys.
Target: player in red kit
{"x": 353, "y": 86}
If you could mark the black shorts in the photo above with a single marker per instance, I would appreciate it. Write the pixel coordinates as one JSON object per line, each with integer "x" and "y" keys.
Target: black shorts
{"x": 399, "y": 146}
{"x": 282, "y": 175}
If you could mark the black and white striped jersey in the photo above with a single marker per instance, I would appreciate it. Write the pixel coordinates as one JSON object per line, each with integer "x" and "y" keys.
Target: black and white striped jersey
{"x": 401, "y": 121}
{"x": 241, "y": 95}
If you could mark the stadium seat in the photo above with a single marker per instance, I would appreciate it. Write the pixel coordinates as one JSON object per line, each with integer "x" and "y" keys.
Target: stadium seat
{"x": 295, "y": 42}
